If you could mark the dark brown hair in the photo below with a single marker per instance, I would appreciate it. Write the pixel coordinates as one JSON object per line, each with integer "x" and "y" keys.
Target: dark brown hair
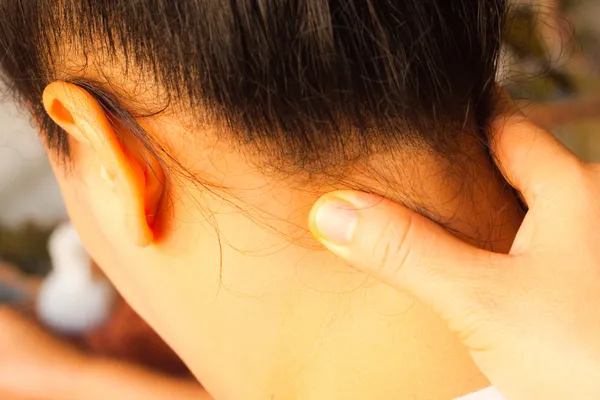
{"x": 313, "y": 82}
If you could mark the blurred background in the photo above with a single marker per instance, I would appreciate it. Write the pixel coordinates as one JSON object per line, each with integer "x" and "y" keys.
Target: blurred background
{"x": 550, "y": 64}
{"x": 30, "y": 201}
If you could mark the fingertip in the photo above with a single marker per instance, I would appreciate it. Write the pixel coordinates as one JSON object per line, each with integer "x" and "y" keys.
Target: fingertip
{"x": 333, "y": 219}
{"x": 528, "y": 155}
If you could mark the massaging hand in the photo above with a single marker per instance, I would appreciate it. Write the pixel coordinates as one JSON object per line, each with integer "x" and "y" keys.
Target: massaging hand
{"x": 531, "y": 319}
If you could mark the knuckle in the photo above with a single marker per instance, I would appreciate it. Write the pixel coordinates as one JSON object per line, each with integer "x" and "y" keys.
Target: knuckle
{"x": 482, "y": 313}
{"x": 393, "y": 248}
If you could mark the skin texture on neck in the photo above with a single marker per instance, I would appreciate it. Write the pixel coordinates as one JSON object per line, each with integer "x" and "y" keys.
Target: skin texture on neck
{"x": 335, "y": 333}
{"x": 234, "y": 283}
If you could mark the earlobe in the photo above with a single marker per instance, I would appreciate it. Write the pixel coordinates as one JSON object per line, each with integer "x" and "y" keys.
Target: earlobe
{"x": 119, "y": 170}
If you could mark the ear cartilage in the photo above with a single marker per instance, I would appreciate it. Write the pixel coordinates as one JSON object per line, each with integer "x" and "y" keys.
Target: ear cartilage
{"x": 104, "y": 174}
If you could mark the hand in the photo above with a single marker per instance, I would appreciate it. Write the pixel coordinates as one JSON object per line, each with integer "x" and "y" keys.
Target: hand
{"x": 531, "y": 319}
{"x": 34, "y": 364}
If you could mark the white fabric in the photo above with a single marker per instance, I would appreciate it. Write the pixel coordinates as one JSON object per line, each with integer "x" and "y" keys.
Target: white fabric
{"x": 485, "y": 394}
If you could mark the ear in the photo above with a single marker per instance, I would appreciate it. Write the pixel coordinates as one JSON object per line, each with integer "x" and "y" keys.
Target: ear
{"x": 123, "y": 180}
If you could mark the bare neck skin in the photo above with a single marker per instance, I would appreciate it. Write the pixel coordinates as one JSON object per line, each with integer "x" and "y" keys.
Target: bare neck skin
{"x": 306, "y": 325}
{"x": 239, "y": 289}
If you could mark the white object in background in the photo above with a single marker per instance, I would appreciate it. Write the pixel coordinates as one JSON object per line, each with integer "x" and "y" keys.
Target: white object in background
{"x": 71, "y": 300}
{"x": 28, "y": 189}
{"x": 485, "y": 394}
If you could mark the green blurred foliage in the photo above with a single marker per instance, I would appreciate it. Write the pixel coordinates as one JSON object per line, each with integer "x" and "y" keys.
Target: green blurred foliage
{"x": 26, "y": 247}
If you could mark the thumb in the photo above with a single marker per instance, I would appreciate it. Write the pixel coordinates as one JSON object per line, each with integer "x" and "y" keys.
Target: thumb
{"x": 407, "y": 251}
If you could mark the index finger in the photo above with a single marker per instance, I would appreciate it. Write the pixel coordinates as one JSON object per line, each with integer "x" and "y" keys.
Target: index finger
{"x": 531, "y": 159}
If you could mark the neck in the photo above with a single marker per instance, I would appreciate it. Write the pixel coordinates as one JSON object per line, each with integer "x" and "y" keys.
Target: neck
{"x": 307, "y": 326}
{"x": 378, "y": 343}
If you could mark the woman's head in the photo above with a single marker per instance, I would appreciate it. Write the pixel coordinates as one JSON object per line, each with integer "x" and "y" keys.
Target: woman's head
{"x": 190, "y": 138}
{"x": 302, "y": 78}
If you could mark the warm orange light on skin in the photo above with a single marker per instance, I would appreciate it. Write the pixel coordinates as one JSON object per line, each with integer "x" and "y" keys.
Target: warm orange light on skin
{"x": 234, "y": 282}
{"x": 121, "y": 167}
